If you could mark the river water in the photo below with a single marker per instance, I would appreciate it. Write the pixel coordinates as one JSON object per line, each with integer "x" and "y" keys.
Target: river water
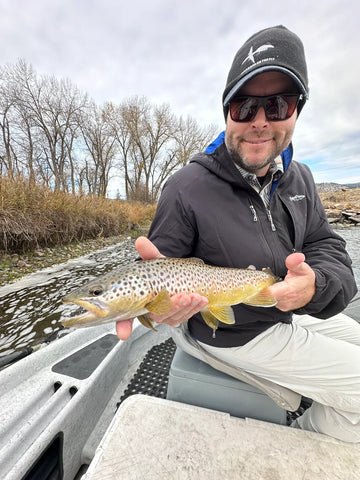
{"x": 31, "y": 308}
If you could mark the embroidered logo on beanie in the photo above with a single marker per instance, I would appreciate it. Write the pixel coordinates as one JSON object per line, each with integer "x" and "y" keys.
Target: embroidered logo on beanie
{"x": 252, "y": 53}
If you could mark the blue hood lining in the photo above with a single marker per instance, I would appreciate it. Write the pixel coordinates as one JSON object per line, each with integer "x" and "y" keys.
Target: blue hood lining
{"x": 286, "y": 155}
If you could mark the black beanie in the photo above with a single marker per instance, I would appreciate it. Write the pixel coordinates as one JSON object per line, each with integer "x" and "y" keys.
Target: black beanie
{"x": 272, "y": 49}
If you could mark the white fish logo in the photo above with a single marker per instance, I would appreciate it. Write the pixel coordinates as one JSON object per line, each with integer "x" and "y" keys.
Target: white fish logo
{"x": 252, "y": 53}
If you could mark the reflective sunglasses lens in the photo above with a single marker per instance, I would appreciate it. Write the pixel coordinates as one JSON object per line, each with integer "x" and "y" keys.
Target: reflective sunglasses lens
{"x": 277, "y": 107}
{"x": 244, "y": 109}
{"x": 280, "y": 107}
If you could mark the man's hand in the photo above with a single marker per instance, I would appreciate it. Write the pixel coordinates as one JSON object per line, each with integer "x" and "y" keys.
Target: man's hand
{"x": 298, "y": 287}
{"x": 184, "y": 306}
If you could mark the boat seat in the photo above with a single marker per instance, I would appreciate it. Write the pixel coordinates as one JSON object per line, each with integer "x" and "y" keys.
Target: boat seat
{"x": 197, "y": 383}
{"x": 284, "y": 398}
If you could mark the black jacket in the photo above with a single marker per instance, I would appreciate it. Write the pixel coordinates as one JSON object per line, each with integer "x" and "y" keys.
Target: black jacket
{"x": 208, "y": 210}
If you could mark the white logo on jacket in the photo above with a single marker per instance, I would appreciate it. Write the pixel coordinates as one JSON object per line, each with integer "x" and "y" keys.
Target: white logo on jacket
{"x": 297, "y": 198}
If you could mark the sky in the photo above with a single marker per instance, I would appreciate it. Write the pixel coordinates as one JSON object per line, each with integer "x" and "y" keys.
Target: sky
{"x": 179, "y": 52}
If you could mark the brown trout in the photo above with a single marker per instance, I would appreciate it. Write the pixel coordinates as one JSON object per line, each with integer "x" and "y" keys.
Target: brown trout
{"x": 144, "y": 287}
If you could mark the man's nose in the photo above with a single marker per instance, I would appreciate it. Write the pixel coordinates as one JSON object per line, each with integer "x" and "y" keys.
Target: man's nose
{"x": 260, "y": 119}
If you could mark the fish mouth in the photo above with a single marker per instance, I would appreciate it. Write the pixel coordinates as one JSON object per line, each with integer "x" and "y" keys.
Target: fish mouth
{"x": 95, "y": 312}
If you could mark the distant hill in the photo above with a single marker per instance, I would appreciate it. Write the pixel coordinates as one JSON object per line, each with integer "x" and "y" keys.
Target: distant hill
{"x": 326, "y": 187}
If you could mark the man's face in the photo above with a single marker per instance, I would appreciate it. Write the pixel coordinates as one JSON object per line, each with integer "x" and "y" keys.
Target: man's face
{"x": 254, "y": 145}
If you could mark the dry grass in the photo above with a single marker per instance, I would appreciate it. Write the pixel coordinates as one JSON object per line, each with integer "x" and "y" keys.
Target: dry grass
{"x": 33, "y": 216}
{"x": 342, "y": 199}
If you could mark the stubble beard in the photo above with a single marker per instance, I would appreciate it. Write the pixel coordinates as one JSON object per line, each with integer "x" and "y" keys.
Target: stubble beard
{"x": 240, "y": 159}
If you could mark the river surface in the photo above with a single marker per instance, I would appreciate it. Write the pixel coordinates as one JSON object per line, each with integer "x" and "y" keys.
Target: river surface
{"x": 31, "y": 308}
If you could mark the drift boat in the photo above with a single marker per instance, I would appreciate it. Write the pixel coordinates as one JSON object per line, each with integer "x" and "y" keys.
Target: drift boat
{"x": 89, "y": 406}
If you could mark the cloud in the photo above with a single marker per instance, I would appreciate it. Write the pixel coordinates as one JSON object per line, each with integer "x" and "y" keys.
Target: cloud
{"x": 179, "y": 52}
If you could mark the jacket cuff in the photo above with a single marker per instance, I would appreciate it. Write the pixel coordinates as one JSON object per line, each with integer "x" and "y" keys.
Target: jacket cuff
{"x": 315, "y": 302}
{"x": 320, "y": 285}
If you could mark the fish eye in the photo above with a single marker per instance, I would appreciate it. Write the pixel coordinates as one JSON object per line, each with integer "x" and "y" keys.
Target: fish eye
{"x": 98, "y": 290}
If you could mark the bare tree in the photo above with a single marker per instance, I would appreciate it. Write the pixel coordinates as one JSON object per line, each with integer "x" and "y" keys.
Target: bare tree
{"x": 153, "y": 143}
{"x": 144, "y": 133}
{"x": 50, "y": 132}
{"x": 48, "y": 113}
{"x": 8, "y": 159}
{"x": 191, "y": 138}
{"x": 97, "y": 135}
{"x": 120, "y": 130}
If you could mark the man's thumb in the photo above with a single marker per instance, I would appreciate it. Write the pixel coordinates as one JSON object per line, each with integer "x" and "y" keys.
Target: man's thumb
{"x": 295, "y": 262}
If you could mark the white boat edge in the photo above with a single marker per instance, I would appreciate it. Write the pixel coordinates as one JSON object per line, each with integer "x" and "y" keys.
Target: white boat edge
{"x": 44, "y": 411}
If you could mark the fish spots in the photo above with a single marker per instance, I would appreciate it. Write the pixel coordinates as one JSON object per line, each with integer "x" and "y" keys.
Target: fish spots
{"x": 131, "y": 287}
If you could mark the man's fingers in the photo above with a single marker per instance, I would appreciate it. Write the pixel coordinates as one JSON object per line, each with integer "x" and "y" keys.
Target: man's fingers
{"x": 184, "y": 307}
{"x": 147, "y": 249}
{"x": 124, "y": 328}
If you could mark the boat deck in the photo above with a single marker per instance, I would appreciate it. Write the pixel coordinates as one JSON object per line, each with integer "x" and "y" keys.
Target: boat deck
{"x": 152, "y": 376}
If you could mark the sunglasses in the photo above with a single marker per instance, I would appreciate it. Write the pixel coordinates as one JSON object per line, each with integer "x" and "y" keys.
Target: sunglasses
{"x": 277, "y": 107}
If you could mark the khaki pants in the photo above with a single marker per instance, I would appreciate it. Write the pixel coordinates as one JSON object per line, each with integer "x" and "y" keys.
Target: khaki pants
{"x": 319, "y": 359}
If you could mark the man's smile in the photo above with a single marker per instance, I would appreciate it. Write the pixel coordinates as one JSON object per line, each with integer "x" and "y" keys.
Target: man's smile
{"x": 257, "y": 141}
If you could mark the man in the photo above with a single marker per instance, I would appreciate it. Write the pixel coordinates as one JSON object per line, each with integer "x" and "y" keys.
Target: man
{"x": 248, "y": 203}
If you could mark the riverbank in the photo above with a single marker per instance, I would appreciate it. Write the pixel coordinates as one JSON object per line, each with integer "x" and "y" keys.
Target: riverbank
{"x": 342, "y": 207}
{"x": 15, "y": 266}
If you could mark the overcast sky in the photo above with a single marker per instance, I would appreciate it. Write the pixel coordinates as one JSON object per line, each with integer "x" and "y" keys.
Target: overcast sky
{"x": 179, "y": 52}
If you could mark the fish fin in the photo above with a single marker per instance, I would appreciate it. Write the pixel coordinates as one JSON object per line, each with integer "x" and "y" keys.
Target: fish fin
{"x": 209, "y": 319}
{"x": 268, "y": 271}
{"x": 264, "y": 298}
{"x": 194, "y": 260}
{"x": 160, "y": 304}
{"x": 224, "y": 314}
{"x": 146, "y": 321}
{"x": 271, "y": 274}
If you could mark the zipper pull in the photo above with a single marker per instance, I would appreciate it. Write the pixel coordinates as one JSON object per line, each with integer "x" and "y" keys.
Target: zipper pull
{"x": 273, "y": 228}
{"x": 252, "y": 208}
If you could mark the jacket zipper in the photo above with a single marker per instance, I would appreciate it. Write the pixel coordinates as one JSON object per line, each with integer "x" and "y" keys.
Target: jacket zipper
{"x": 268, "y": 213}
{"x": 253, "y": 211}
{"x": 273, "y": 228}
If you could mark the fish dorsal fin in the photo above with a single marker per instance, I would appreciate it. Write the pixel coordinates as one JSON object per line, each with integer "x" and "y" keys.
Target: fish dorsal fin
{"x": 193, "y": 260}
{"x": 209, "y": 319}
{"x": 272, "y": 275}
{"x": 264, "y": 298}
{"x": 146, "y": 321}
{"x": 224, "y": 314}
{"x": 160, "y": 304}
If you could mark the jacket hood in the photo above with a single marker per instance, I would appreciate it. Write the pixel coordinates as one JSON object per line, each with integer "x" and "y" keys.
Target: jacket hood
{"x": 219, "y": 163}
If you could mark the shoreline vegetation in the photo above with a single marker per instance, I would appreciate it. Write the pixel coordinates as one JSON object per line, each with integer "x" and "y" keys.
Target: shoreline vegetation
{"x": 40, "y": 228}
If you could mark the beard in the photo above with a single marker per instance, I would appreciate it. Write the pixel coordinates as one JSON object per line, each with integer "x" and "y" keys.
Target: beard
{"x": 239, "y": 156}
{"x": 241, "y": 161}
